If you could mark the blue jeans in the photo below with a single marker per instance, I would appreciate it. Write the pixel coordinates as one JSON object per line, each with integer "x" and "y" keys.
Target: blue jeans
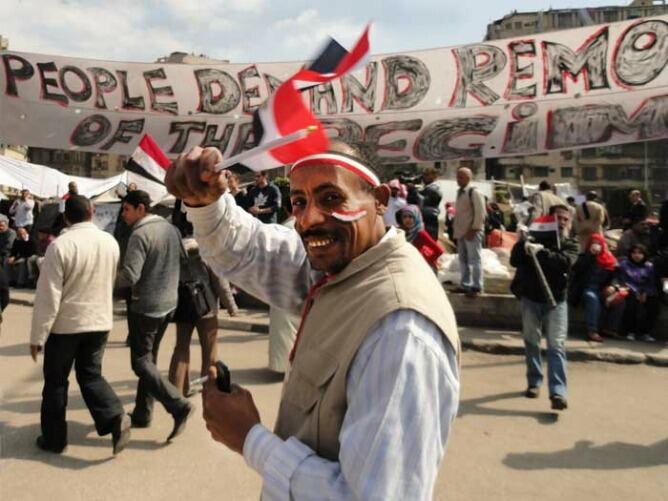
{"x": 540, "y": 319}
{"x": 593, "y": 306}
{"x": 470, "y": 261}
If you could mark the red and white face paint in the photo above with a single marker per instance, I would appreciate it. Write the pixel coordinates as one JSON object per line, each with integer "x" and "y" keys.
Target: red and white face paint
{"x": 349, "y": 216}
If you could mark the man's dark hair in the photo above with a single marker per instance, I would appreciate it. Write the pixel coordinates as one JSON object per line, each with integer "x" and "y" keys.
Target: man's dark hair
{"x": 544, "y": 185}
{"x": 591, "y": 196}
{"x": 570, "y": 199}
{"x": 555, "y": 208}
{"x": 137, "y": 198}
{"x": 77, "y": 209}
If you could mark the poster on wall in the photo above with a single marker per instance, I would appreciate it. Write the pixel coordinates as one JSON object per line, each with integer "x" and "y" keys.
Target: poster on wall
{"x": 592, "y": 86}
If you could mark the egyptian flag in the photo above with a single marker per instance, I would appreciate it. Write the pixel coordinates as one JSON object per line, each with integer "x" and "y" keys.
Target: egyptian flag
{"x": 334, "y": 61}
{"x": 285, "y": 113}
{"x": 545, "y": 230}
{"x": 149, "y": 161}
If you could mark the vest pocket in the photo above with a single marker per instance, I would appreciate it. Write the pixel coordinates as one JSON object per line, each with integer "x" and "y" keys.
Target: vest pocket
{"x": 309, "y": 379}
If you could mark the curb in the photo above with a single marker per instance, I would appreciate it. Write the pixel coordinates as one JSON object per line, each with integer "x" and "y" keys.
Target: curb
{"x": 574, "y": 354}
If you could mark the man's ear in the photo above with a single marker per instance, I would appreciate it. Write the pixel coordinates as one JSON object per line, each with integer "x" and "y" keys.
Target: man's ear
{"x": 382, "y": 194}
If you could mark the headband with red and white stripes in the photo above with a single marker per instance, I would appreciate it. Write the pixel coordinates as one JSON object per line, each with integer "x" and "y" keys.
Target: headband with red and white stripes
{"x": 340, "y": 160}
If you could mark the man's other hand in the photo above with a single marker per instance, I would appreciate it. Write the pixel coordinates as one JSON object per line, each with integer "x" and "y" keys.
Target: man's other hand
{"x": 192, "y": 178}
{"x": 34, "y": 350}
{"x": 228, "y": 416}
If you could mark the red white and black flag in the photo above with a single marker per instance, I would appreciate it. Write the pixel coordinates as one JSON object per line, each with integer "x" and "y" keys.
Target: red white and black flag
{"x": 285, "y": 114}
{"x": 545, "y": 230}
{"x": 149, "y": 161}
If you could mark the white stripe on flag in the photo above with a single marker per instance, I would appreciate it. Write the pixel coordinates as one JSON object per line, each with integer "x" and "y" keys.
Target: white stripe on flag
{"x": 149, "y": 164}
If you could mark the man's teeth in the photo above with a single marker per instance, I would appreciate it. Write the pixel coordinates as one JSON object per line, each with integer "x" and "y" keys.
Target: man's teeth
{"x": 319, "y": 243}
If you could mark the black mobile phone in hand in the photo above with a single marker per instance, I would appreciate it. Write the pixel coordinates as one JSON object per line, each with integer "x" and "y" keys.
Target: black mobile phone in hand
{"x": 223, "y": 381}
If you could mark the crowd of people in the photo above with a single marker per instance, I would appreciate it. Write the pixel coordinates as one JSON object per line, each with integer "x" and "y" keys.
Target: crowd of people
{"x": 337, "y": 240}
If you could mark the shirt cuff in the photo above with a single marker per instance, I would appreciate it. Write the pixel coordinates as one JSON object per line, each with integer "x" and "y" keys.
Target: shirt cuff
{"x": 274, "y": 459}
{"x": 207, "y": 218}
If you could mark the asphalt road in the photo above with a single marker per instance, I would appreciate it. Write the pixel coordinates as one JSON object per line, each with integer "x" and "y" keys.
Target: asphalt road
{"x": 612, "y": 443}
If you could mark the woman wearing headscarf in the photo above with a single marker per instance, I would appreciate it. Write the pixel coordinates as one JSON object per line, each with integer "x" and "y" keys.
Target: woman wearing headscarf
{"x": 595, "y": 284}
{"x": 409, "y": 219}
{"x": 636, "y": 273}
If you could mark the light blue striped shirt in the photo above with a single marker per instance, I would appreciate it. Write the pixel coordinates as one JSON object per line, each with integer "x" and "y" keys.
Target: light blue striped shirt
{"x": 402, "y": 389}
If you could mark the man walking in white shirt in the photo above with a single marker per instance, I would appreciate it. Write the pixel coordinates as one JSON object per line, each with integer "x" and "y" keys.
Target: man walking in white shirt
{"x": 376, "y": 354}
{"x": 74, "y": 313}
{"x": 21, "y": 210}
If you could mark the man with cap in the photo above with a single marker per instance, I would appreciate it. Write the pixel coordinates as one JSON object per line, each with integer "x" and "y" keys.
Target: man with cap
{"x": 544, "y": 199}
{"x": 376, "y": 355}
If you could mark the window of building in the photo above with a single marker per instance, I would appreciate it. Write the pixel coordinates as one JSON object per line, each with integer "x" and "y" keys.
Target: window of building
{"x": 589, "y": 173}
{"x": 633, "y": 172}
{"x": 660, "y": 174}
{"x": 565, "y": 20}
{"x": 540, "y": 171}
{"x": 567, "y": 155}
{"x": 518, "y": 25}
{"x": 509, "y": 26}
{"x": 612, "y": 173}
{"x": 566, "y": 172}
{"x": 610, "y": 16}
{"x": 588, "y": 153}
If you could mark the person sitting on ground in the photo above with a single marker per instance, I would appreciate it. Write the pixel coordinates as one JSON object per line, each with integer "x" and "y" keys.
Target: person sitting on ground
{"x": 639, "y": 233}
{"x": 195, "y": 269}
{"x": 409, "y": 220}
{"x": 638, "y": 211}
{"x": 495, "y": 218}
{"x": 595, "y": 284}
{"x": 7, "y": 237}
{"x": 636, "y": 274}
{"x": 590, "y": 217}
{"x": 17, "y": 263}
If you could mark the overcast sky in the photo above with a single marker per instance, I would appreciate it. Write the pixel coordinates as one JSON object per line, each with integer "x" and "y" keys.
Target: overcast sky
{"x": 248, "y": 30}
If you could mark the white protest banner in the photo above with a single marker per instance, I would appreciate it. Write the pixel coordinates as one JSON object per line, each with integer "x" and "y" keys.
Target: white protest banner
{"x": 598, "y": 85}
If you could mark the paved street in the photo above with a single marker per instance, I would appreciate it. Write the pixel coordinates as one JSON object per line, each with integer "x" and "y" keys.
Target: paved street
{"x": 611, "y": 444}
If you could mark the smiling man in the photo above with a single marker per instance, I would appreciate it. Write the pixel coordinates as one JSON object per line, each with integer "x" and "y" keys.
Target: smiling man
{"x": 373, "y": 387}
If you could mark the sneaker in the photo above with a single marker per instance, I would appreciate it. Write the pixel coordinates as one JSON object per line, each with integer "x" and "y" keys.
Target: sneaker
{"x": 41, "y": 443}
{"x": 180, "y": 421}
{"x": 532, "y": 392}
{"x": 595, "y": 337}
{"x": 648, "y": 339}
{"x": 120, "y": 436}
{"x": 559, "y": 402}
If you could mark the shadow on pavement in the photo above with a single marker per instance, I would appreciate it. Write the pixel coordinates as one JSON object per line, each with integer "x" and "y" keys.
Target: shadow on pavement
{"x": 19, "y": 443}
{"x": 16, "y": 350}
{"x": 506, "y": 363}
{"x": 475, "y": 406}
{"x": 236, "y": 339}
{"x": 585, "y": 456}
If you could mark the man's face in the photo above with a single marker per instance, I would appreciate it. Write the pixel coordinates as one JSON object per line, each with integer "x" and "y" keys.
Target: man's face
{"x": 3, "y": 226}
{"x": 132, "y": 214}
{"x": 261, "y": 180}
{"x": 428, "y": 177}
{"x": 24, "y": 194}
{"x": 317, "y": 192}
{"x": 641, "y": 228}
{"x": 233, "y": 183}
{"x": 132, "y": 187}
{"x": 563, "y": 219}
{"x": 72, "y": 187}
{"x": 22, "y": 233}
{"x": 463, "y": 178}
{"x": 634, "y": 197}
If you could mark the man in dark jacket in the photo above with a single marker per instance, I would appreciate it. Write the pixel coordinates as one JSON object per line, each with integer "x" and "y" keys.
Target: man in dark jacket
{"x": 264, "y": 199}
{"x": 538, "y": 316}
{"x": 151, "y": 268}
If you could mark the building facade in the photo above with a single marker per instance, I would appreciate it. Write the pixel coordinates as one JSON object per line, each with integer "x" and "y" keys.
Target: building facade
{"x": 605, "y": 169}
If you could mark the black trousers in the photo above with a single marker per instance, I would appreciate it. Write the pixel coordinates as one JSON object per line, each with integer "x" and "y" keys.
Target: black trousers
{"x": 84, "y": 351}
{"x": 145, "y": 336}
{"x": 639, "y": 318}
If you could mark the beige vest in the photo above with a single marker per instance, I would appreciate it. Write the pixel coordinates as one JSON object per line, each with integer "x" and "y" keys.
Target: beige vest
{"x": 388, "y": 277}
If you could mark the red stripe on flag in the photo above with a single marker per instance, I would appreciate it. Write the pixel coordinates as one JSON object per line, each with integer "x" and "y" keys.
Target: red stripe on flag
{"x": 358, "y": 53}
{"x": 153, "y": 150}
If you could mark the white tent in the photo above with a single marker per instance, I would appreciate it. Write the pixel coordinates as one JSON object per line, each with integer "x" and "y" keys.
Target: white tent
{"x": 46, "y": 182}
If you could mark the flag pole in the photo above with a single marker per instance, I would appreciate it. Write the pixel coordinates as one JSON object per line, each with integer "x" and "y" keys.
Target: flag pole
{"x": 543, "y": 281}
{"x": 281, "y": 141}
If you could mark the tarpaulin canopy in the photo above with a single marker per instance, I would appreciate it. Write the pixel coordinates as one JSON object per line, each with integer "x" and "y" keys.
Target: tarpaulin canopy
{"x": 47, "y": 182}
